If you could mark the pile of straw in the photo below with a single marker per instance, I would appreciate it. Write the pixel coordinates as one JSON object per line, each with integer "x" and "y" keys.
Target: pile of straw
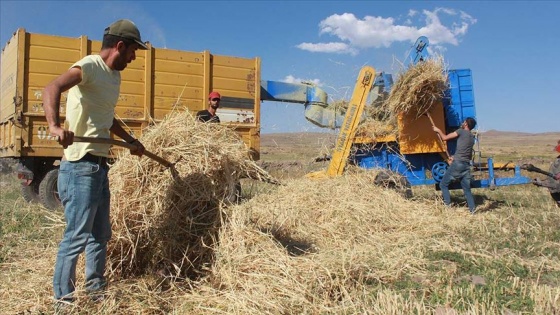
{"x": 167, "y": 224}
{"x": 418, "y": 88}
{"x": 414, "y": 93}
{"x": 313, "y": 246}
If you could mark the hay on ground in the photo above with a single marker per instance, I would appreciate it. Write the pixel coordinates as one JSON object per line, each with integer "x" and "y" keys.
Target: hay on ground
{"x": 335, "y": 246}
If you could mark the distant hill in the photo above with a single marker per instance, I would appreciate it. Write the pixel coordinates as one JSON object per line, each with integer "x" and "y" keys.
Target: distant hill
{"x": 493, "y": 132}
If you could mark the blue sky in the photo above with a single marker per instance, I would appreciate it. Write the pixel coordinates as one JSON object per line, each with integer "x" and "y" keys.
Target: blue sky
{"x": 510, "y": 46}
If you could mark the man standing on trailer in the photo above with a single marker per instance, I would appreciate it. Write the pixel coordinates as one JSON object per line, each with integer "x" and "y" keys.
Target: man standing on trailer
{"x": 460, "y": 167}
{"x": 93, "y": 86}
{"x": 209, "y": 114}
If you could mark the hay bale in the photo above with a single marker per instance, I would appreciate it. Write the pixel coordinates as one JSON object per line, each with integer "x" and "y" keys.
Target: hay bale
{"x": 165, "y": 224}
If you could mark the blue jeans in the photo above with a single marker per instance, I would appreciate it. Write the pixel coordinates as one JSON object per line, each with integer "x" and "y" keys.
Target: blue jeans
{"x": 83, "y": 188}
{"x": 458, "y": 171}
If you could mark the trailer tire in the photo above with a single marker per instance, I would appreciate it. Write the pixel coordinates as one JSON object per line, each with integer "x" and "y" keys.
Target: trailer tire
{"x": 394, "y": 181}
{"x": 30, "y": 193}
{"x": 48, "y": 191}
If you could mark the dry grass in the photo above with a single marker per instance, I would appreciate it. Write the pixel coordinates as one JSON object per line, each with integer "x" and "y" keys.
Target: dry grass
{"x": 418, "y": 88}
{"x": 166, "y": 221}
{"x": 339, "y": 246}
{"x": 414, "y": 93}
{"x": 336, "y": 246}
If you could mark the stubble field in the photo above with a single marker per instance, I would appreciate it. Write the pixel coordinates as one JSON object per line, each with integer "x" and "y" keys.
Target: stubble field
{"x": 334, "y": 246}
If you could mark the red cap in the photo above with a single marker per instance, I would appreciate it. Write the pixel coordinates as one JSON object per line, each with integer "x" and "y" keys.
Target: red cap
{"x": 214, "y": 95}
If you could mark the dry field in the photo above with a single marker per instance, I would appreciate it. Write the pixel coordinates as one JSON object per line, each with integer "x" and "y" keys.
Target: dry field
{"x": 333, "y": 246}
{"x": 293, "y": 154}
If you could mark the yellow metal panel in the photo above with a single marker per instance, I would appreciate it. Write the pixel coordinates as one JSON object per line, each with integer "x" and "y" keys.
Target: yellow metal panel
{"x": 7, "y": 139}
{"x": 20, "y": 97}
{"x": 181, "y": 80}
{"x": 38, "y": 138}
{"x": 65, "y": 54}
{"x": 149, "y": 79}
{"x": 235, "y": 62}
{"x": 230, "y": 73}
{"x": 368, "y": 140}
{"x": 416, "y": 134}
{"x": 133, "y": 74}
{"x": 8, "y": 77}
{"x": 178, "y": 81}
{"x": 183, "y": 67}
{"x": 180, "y": 56}
{"x": 234, "y": 76}
{"x": 42, "y": 40}
{"x": 241, "y": 86}
{"x": 51, "y": 68}
{"x": 95, "y": 47}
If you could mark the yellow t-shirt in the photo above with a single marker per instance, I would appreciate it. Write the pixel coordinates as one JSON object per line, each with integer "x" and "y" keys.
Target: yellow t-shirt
{"x": 90, "y": 106}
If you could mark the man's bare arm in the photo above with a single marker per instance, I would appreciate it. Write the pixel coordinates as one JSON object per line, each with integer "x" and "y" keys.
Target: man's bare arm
{"x": 445, "y": 137}
{"x": 51, "y": 104}
{"x": 120, "y": 132}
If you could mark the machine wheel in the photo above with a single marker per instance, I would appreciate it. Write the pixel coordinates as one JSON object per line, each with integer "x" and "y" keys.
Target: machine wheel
{"x": 394, "y": 181}
{"x": 48, "y": 191}
{"x": 438, "y": 170}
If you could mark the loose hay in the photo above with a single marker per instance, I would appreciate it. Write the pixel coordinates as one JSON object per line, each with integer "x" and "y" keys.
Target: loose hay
{"x": 336, "y": 246}
{"x": 165, "y": 224}
{"x": 418, "y": 88}
{"x": 313, "y": 246}
{"x": 414, "y": 93}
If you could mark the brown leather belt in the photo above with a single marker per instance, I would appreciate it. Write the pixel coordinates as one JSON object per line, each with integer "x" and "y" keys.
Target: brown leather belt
{"x": 101, "y": 160}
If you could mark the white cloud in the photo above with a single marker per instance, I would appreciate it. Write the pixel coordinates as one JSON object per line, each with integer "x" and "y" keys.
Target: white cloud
{"x": 292, "y": 79}
{"x": 376, "y": 31}
{"x": 339, "y": 48}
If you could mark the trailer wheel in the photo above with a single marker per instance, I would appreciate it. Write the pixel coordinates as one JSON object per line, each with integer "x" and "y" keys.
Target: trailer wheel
{"x": 394, "y": 181}
{"x": 48, "y": 191}
{"x": 30, "y": 193}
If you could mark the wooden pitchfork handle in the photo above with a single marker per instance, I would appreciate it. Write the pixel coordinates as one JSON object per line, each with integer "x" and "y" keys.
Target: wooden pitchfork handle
{"x": 123, "y": 144}
{"x": 439, "y": 138}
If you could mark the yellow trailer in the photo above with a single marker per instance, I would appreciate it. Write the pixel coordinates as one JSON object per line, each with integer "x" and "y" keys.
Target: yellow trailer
{"x": 157, "y": 82}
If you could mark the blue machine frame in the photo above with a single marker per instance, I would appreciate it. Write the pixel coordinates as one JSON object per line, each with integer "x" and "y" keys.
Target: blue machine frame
{"x": 458, "y": 104}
